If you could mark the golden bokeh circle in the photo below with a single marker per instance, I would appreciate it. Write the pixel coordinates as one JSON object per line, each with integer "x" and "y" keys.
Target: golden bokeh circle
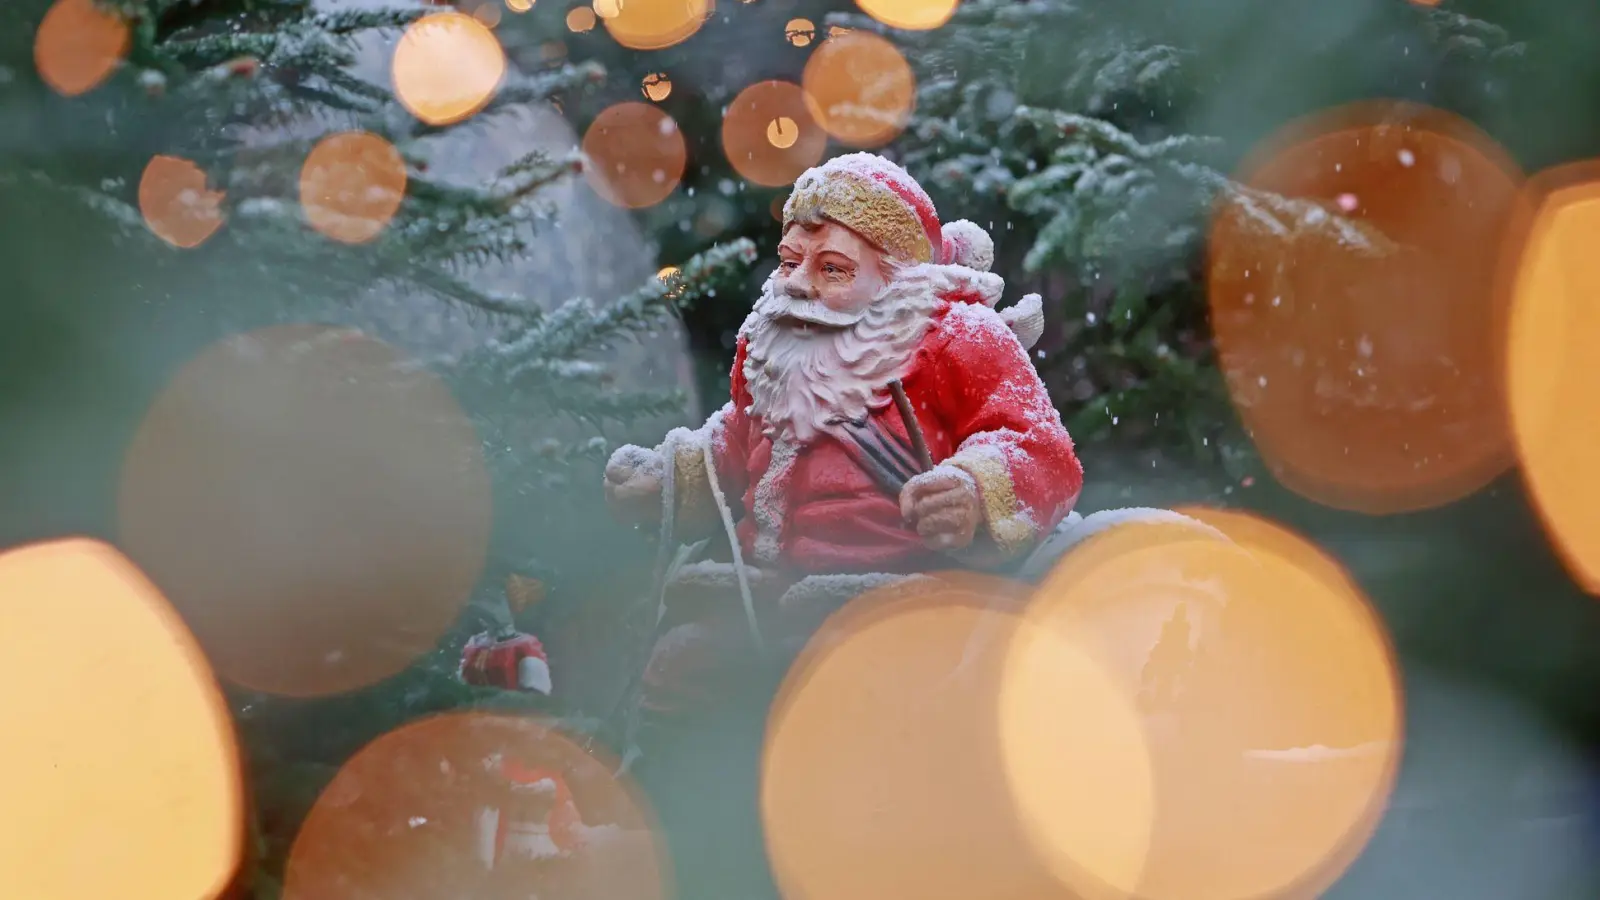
{"x": 1552, "y": 367}
{"x": 910, "y": 15}
{"x": 1369, "y": 379}
{"x": 860, "y": 89}
{"x": 636, "y": 155}
{"x": 446, "y": 67}
{"x": 768, "y": 135}
{"x": 659, "y": 25}
{"x": 176, "y": 204}
{"x": 129, "y": 756}
{"x": 1269, "y": 698}
{"x": 799, "y": 32}
{"x": 78, "y": 46}
{"x": 656, "y": 86}
{"x": 351, "y": 186}
{"x": 314, "y": 503}
{"x": 580, "y": 19}
{"x": 493, "y": 807}
{"x": 881, "y": 772}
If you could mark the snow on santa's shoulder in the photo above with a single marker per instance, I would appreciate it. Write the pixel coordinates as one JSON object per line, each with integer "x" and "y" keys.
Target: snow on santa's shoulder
{"x": 990, "y": 336}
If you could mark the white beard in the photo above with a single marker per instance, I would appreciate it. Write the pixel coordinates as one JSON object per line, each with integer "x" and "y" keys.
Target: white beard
{"x": 803, "y": 377}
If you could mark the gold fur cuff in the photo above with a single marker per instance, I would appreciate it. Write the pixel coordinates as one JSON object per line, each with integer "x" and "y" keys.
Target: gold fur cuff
{"x": 1010, "y": 530}
{"x": 694, "y": 508}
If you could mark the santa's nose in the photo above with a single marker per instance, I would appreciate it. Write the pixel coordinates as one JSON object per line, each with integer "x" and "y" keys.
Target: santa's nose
{"x": 799, "y": 289}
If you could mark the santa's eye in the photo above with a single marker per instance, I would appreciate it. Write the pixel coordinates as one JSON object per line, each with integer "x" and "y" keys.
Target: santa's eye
{"x": 832, "y": 270}
{"x": 787, "y": 264}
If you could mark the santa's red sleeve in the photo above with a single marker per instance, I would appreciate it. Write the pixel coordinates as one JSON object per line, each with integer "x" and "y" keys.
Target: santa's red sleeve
{"x": 1008, "y": 435}
{"x": 726, "y": 435}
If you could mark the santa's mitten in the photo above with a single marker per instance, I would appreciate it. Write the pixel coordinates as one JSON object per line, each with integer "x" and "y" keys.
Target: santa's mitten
{"x": 508, "y": 660}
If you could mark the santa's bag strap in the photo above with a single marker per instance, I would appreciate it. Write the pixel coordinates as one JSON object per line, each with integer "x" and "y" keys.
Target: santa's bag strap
{"x": 738, "y": 552}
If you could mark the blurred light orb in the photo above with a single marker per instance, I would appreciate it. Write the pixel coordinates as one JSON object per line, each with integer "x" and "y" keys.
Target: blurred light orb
{"x": 176, "y": 204}
{"x": 1269, "y": 700}
{"x": 447, "y": 66}
{"x": 910, "y": 15}
{"x": 314, "y": 503}
{"x": 351, "y": 186}
{"x": 666, "y": 272}
{"x": 608, "y": 9}
{"x": 119, "y": 747}
{"x": 860, "y": 89}
{"x": 492, "y": 807}
{"x": 778, "y": 203}
{"x": 1553, "y": 371}
{"x": 656, "y": 24}
{"x": 782, "y": 132}
{"x": 799, "y": 32}
{"x": 519, "y": 6}
{"x": 488, "y": 13}
{"x": 1369, "y": 378}
{"x": 881, "y": 772}
{"x": 656, "y": 86}
{"x": 78, "y": 46}
{"x": 768, "y": 135}
{"x": 580, "y": 19}
{"x": 636, "y": 155}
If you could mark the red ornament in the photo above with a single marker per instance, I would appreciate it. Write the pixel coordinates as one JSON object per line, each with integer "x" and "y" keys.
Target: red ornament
{"x": 510, "y": 660}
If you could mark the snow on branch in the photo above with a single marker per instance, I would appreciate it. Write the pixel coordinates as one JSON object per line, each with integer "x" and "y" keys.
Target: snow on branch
{"x": 579, "y": 326}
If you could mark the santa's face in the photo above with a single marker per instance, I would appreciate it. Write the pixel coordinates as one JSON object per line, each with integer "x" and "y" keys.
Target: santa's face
{"x": 810, "y": 363}
{"x": 828, "y": 274}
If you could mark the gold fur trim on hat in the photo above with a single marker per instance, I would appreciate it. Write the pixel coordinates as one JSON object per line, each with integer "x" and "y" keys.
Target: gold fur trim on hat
{"x": 873, "y": 211}
{"x": 1010, "y": 528}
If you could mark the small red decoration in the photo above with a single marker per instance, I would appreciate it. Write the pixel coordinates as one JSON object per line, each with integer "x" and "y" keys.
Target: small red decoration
{"x": 509, "y": 660}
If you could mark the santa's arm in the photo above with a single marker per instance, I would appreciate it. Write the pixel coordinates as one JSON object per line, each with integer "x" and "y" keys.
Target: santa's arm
{"x": 1009, "y": 437}
{"x": 726, "y": 434}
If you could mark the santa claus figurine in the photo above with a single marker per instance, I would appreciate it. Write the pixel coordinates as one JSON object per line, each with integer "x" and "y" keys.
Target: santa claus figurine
{"x": 885, "y": 419}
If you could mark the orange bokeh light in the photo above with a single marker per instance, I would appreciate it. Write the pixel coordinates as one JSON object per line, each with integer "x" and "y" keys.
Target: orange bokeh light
{"x": 1269, "y": 699}
{"x": 656, "y": 26}
{"x": 636, "y": 155}
{"x": 656, "y": 86}
{"x": 768, "y": 135}
{"x": 124, "y": 754}
{"x": 351, "y": 186}
{"x": 314, "y": 503}
{"x": 859, "y": 89}
{"x": 799, "y": 32}
{"x": 176, "y": 204}
{"x": 1369, "y": 379}
{"x": 447, "y": 66}
{"x": 580, "y": 19}
{"x": 882, "y": 773}
{"x": 1553, "y": 367}
{"x": 910, "y": 15}
{"x": 79, "y": 45}
{"x": 492, "y": 807}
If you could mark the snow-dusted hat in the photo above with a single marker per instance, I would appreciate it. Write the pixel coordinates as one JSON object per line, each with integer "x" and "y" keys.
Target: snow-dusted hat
{"x": 882, "y": 202}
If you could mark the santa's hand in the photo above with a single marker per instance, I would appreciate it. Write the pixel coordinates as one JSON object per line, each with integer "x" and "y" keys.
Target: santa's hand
{"x": 633, "y": 484}
{"x": 943, "y": 506}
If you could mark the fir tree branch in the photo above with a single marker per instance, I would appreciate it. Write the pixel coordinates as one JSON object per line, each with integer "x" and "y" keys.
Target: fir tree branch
{"x": 578, "y": 326}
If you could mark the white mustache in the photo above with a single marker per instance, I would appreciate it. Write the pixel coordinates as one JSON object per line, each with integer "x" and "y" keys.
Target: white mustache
{"x": 776, "y": 306}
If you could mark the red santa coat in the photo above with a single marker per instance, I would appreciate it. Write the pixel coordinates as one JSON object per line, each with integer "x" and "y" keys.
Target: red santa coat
{"x": 818, "y": 509}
